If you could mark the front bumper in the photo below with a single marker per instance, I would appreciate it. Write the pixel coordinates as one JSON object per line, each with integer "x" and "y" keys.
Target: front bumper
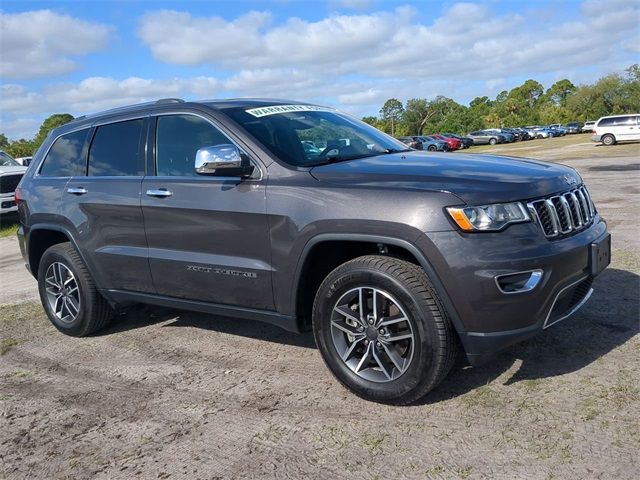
{"x": 8, "y": 203}
{"x": 487, "y": 319}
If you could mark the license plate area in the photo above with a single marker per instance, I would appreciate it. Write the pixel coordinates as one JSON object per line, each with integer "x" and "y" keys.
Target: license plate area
{"x": 599, "y": 255}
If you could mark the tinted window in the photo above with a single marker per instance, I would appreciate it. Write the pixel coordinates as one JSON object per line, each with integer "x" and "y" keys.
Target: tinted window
{"x": 178, "y": 138}
{"x": 118, "y": 149}
{"x": 614, "y": 121}
{"x": 65, "y": 157}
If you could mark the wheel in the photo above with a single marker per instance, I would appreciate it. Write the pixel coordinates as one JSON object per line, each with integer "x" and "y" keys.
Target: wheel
{"x": 608, "y": 139}
{"x": 432, "y": 148}
{"x": 382, "y": 330}
{"x": 492, "y": 141}
{"x": 68, "y": 294}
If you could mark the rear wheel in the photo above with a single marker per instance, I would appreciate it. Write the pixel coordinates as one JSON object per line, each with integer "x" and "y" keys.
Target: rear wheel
{"x": 432, "y": 148}
{"x": 608, "y": 139}
{"x": 492, "y": 141}
{"x": 382, "y": 331}
{"x": 68, "y": 294}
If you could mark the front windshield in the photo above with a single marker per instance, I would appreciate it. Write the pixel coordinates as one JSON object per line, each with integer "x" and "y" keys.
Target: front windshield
{"x": 7, "y": 161}
{"x": 306, "y": 138}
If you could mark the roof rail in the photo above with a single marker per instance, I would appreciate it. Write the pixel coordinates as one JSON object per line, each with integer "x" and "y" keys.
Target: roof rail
{"x": 169, "y": 100}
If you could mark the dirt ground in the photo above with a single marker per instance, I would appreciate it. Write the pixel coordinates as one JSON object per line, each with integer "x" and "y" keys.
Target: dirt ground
{"x": 167, "y": 394}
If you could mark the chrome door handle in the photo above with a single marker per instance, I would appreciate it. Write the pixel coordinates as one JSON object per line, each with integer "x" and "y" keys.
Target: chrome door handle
{"x": 160, "y": 192}
{"x": 77, "y": 190}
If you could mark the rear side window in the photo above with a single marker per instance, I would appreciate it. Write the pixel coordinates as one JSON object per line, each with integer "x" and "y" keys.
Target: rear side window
{"x": 617, "y": 121}
{"x": 117, "y": 149}
{"x": 178, "y": 138}
{"x": 65, "y": 157}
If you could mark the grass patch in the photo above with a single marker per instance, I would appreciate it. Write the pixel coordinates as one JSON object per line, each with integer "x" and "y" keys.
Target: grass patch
{"x": 8, "y": 230}
{"x": 6, "y": 344}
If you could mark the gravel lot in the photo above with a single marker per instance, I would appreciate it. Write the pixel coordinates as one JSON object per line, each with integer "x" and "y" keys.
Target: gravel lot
{"x": 168, "y": 394}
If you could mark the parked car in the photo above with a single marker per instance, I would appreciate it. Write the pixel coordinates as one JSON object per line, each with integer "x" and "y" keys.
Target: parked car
{"x": 466, "y": 141}
{"x": 24, "y": 161}
{"x": 588, "y": 126}
{"x": 11, "y": 173}
{"x": 481, "y": 137}
{"x": 508, "y": 137}
{"x": 574, "y": 127}
{"x": 413, "y": 142}
{"x": 511, "y": 134}
{"x": 617, "y": 128}
{"x": 558, "y": 130}
{"x": 392, "y": 257}
{"x": 454, "y": 143}
{"x": 433, "y": 144}
{"x": 543, "y": 132}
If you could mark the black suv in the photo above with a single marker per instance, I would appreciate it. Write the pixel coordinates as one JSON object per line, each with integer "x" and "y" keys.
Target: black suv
{"x": 303, "y": 217}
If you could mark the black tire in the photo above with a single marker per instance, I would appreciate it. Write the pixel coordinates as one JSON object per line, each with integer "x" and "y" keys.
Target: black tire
{"x": 434, "y": 339}
{"x": 94, "y": 313}
{"x": 492, "y": 141}
{"x": 608, "y": 140}
{"x": 432, "y": 148}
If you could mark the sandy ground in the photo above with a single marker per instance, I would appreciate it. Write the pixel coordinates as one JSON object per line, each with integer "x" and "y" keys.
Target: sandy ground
{"x": 167, "y": 394}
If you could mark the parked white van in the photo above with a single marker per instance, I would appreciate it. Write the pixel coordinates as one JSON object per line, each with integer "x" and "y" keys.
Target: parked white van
{"x": 617, "y": 128}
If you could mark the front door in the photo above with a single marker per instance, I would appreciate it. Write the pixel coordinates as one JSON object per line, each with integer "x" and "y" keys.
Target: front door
{"x": 208, "y": 235}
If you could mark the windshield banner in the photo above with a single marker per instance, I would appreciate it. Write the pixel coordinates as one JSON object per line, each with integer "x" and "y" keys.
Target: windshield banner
{"x": 272, "y": 110}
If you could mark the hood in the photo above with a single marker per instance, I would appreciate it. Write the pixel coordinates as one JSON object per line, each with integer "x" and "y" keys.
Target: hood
{"x": 476, "y": 179}
{"x": 16, "y": 169}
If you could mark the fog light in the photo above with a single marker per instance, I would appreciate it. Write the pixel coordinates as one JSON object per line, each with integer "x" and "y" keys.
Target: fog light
{"x": 519, "y": 282}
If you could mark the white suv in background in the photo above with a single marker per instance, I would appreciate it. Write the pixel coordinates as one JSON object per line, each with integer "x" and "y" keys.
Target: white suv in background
{"x": 617, "y": 128}
{"x": 11, "y": 173}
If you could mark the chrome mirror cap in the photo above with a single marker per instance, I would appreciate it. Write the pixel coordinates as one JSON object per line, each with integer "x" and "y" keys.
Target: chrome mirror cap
{"x": 210, "y": 159}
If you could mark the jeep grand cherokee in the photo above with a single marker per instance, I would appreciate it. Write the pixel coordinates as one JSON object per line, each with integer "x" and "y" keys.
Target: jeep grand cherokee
{"x": 393, "y": 257}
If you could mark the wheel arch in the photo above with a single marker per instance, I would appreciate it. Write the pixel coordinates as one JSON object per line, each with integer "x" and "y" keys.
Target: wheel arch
{"x": 43, "y": 236}
{"x": 305, "y": 286}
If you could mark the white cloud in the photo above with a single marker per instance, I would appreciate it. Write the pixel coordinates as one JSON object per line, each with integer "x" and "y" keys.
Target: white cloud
{"x": 90, "y": 95}
{"x": 42, "y": 42}
{"x": 467, "y": 40}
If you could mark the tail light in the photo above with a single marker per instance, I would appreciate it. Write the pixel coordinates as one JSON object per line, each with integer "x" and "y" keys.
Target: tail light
{"x": 18, "y": 195}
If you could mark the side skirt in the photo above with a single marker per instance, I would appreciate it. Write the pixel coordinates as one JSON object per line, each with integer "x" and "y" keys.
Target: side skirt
{"x": 274, "y": 318}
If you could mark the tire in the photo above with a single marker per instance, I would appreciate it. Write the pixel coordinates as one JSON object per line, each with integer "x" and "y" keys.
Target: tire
{"x": 492, "y": 141}
{"x": 61, "y": 265}
{"x": 432, "y": 148}
{"x": 420, "y": 334}
{"x": 608, "y": 140}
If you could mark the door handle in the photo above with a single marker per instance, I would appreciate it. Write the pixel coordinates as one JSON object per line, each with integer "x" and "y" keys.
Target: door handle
{"x": 77, "y": 190}
{"x": 160, "y": 192}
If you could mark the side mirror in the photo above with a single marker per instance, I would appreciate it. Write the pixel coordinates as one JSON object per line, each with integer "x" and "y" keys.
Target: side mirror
{"x": 221, "y": 159}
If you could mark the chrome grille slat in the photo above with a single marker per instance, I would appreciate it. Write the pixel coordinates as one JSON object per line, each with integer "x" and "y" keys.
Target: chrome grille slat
{"x": 565, "y": 214}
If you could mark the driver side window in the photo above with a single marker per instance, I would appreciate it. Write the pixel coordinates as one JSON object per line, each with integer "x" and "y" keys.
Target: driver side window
{"x": 178, "y": 138}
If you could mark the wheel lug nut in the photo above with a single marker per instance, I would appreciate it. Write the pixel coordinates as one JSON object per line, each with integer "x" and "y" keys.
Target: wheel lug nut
{"x": 366, "y": 342}
{"x": 378, "y": 344}
{"x": 382, "y": 330}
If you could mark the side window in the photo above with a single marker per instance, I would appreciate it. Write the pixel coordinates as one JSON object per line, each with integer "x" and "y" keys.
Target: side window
{"x": 65, "y": 157}
{"x": 117, "y": 149}
{"x": 178, "y": 138}
{"x": 605, "y": 122}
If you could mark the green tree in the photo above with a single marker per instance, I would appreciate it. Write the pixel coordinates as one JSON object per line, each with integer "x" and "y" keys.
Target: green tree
{"x": 49, "y": 124}
{"x": 559, "y": 91}
{"x": 21, "y": 148}
{"x": 391, "y": 112}
{"x": 4, "y": 141}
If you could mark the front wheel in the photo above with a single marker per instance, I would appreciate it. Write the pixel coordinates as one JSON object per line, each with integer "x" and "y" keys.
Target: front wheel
{"x": 382, "y": 331}
{"x": 493, "y": 141}
{"x": 608, "y": 140}
{"x": 68, "y": 294}
{"x": 432, "y": 148}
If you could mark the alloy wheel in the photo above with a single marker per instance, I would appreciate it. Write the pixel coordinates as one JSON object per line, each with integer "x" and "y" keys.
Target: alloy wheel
{"x": 63, "y": 294}
{"x": 372, "y": 334}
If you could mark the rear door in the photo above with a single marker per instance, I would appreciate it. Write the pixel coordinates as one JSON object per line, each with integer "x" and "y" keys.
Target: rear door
{"x": 208, "y": 235}
{"x": 103, "y": 206}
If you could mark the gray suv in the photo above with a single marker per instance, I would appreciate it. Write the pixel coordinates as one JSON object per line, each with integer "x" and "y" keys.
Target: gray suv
{"x": 394, "y": 258}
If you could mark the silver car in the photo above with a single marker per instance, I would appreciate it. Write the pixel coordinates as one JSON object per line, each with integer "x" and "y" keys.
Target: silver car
{"x": 433, "y": 144}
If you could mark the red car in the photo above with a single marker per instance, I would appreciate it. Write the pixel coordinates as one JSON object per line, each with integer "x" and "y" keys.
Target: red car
{"x": 454, "y": 143}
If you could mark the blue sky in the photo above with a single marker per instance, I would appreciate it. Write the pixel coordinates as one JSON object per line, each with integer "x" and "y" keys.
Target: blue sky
{"x": 84, "y": 56}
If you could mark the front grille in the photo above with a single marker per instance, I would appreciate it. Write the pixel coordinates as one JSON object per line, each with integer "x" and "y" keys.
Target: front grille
{"x": 565, "y": 214}
{"x": 8, "y": 183}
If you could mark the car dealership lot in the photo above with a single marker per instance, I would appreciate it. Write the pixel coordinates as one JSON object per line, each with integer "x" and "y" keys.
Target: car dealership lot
{"x": 164, "y": 393}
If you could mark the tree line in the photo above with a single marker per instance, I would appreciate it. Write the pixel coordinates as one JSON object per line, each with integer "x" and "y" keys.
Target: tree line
{"x": 527, "y": 104}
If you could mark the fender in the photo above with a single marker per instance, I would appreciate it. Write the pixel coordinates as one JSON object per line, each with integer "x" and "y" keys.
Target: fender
{"x": 410, "y": 247}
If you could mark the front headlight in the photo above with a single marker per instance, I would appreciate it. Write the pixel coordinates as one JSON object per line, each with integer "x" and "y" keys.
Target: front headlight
{"x": 488, "y": 218}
